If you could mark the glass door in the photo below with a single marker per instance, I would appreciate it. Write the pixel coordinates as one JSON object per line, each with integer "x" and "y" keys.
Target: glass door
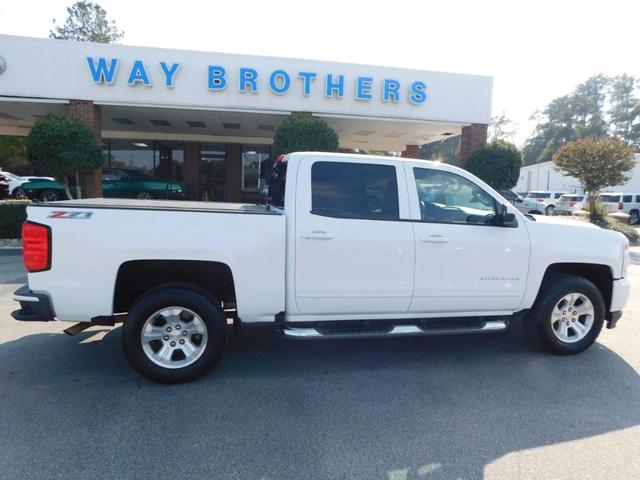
{"x": 213, "y": 165}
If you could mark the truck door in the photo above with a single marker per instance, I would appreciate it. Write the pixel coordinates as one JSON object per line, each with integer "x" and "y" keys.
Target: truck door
{"x": 353, "y": 254}
{"x": 464, "y": 262}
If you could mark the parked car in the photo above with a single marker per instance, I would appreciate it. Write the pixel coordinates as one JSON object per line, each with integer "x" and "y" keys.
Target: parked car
{"x": 125, "y": 183}
{"x": 16, "y": 181}
{"x": 628, "y": 203}
{"x": 443, "y": 253}
{"x": 4, "y": 189}
{"x": 42, "y": 191}
{"x": 546, "y": 200}
{"x": 569, "y": 203}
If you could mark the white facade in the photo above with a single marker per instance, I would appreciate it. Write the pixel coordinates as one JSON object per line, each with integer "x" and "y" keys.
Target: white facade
{"x": 545, "y": 176}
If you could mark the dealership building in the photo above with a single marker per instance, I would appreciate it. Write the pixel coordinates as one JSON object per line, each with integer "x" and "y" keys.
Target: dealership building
{"x": 208, "y": 119}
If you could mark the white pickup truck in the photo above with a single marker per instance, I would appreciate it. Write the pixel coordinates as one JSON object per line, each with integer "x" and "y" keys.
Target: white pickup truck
{"x": 349, "y": 245}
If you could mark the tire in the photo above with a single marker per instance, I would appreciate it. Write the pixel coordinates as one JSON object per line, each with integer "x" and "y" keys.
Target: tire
{"x": 19, "y": 194}
{"x": 166, "y": 330}
{"x": 634, "y": 216}
{"x": 549, "y": 210}
{"x": 49, "y": 196}
{"x": 546, "y": 318}
{"x": 144, "y": 196}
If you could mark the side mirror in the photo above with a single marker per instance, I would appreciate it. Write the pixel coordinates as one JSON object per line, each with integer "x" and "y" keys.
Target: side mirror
{"x": 506, "y": 218}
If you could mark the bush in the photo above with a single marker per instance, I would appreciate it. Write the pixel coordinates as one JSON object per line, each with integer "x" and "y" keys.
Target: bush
{"x": 497, "y": 163}
{"x": 12, "y": 216}
{"x": 304, "y": 133}
{"x": 599, "y": 216}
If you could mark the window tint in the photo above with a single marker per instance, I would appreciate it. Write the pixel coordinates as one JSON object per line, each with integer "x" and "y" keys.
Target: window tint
{"x": 449, "y": 198}
{"x": 609, "y": 198}
{"x": 627, "y": 198}
{"x": 538, "y": 195}
{"x": 354, "y": 190}
{"x": 637, "y": 198}
{"x": 558, "y": 195}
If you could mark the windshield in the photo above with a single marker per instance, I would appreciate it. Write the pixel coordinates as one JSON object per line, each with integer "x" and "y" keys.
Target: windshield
{"x": 609, "y": 198}
{"x": 538, "y": 195}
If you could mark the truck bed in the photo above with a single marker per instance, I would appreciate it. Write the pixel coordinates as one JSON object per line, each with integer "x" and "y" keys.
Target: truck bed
{"x": 172, "y": 205}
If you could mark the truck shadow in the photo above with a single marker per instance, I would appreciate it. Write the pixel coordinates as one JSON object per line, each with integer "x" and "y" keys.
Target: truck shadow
{"x": 435, "y": 408}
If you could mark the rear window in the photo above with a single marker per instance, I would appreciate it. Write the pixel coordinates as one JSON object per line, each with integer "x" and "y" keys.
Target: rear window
{"x": 354, "y": 190}
{"x": 538, "y": 195}
{"x": 609, "y": 198}
{"x": 572, "y": 198}
{"x": 627, "y": 198}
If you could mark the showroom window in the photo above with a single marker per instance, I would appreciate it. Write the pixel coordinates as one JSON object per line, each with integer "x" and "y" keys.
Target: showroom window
{"x": 163, "y": 160}
{"x": 256, "y": 162}
{"x": 213, "y": 164}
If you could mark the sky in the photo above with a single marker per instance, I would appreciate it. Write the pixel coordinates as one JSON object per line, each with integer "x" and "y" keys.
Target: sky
{"x": 534, "y": 50}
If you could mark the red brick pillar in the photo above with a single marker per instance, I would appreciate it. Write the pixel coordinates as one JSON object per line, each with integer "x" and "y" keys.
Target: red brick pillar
{"x": 89, "y": 115}
{"x": 192, "y": 169}
{"x": 473, "y": 137}
{"x": 411, "y": 151}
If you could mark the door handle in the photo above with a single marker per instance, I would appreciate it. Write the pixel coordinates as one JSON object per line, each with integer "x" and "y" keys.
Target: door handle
{"x": 317, "y": 235}
{"x": 434, "y": 239}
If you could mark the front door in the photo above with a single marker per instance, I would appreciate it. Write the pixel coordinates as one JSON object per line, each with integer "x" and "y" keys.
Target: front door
{"x": 465, "y": 263}
{"x": 353, "y": 255}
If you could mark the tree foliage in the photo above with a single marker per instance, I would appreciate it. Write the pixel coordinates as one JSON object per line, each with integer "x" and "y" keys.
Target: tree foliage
{"x": 59, "y": 145}
{"x": 446, "y": 151}
{"x": 497, "y": 163}
{"x": 501, "y": 128}
{"x": 87, "y": 22}
{"x": 13, "y": 155}
{"x": 597, "y": 162}
{"x": 600, "y": 106}
{"x": 304, "y": 133}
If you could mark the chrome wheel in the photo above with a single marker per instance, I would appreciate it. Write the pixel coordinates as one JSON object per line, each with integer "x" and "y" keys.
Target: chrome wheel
{"x": 572, "y": 317}
{"x": 145, "y": 196}
{"x": 49, "y": 196}
{"x": 174, "y": 337}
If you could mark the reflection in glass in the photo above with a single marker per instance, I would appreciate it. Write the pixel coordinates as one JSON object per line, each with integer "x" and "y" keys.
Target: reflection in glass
{"x": 212, "y": 172}
{"x": 255, "y": 166}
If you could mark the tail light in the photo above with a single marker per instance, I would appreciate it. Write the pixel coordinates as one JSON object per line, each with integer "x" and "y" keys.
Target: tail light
{"x": 540, "y": 200}
{"x": 36, "y": 246}
{"x": 620, "y": 206}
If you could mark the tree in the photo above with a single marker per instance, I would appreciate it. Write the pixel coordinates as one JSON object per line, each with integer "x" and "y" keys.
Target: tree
{"x": 87, "y": 22}
{"x": 497, "y": 163}
{"x": 501, "y": 128}
{"x": 59, "y": 145}
{"x": 13, "y": 155}
{"x": 446, "y": 150}
{"x": 304, "y": 133}
{"x": 625, "y": 109}
{"x": 597, "y": 162}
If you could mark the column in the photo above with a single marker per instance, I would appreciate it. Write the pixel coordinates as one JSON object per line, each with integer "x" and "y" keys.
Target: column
{"x": 473, "y": 137}
{"x": 89, "y": 115}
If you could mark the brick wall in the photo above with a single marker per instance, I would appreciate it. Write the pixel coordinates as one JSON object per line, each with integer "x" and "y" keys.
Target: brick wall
{"x": 411, "y": 151}
{"x": 89, "y": 114}
{"x": 473, "y": 137}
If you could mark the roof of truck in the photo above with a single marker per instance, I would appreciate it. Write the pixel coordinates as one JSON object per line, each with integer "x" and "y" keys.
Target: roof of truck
{"x": 170, "y": 205}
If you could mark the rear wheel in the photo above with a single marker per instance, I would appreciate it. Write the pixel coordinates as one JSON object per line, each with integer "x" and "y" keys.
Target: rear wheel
{"x": 144, "y": 196}
{"x": 549, "y": 210}
{"x": 174, "y": 335}
{"x": 49, "y": 196}
{"x": 634, "y": 216}
{"x": 568, "y": 315}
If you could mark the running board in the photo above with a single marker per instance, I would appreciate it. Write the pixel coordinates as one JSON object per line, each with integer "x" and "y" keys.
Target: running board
{"x": 397, "y": 330}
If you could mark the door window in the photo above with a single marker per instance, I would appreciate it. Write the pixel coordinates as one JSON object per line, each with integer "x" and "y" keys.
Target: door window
{"x": 449, "y": 198}
{"x": 354, "y": 190}
{"x": 627, "y": 198}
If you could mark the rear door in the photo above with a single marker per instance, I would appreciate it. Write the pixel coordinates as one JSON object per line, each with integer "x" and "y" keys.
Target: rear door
{"x": 465, "y": 264}
{"x": 353, "y": 253}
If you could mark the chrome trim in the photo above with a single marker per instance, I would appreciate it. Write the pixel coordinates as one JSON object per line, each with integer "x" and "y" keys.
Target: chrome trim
{"x": 24, "y": 298}
{"x": 312, "y": 332}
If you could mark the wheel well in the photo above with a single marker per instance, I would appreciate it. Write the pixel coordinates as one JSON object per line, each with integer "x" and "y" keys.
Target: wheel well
{"x": 599, "y": 275}
{"x": 137, "y": 277}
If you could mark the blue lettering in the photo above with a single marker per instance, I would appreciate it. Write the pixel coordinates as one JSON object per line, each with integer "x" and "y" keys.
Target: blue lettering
{"x": 248, "y": 76}
{"x": 306, "y": 77}
{"x": 139, "y": 74}
{"x": 169, "y": 73}
{"x": 102, "y": 73}
{"x": 363, "y": 88}
{"x": 282, "y": 77}
{"x": 217, "y": 77}
{"x": 391, "y": 91}
{"x": 334, "y": 86}
{"x": 417, "y": 93}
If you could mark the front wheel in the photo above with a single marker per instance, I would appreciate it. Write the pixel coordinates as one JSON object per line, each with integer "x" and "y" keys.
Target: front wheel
{"x": 549, "y": 210}
{"x": 144, "y": 196}
{"x": 568, "y": 315}
{"x": 174, "y": 335}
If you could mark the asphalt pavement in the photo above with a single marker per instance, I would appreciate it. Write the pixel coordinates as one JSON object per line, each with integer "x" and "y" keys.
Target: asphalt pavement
{"x": 461, "y": 407}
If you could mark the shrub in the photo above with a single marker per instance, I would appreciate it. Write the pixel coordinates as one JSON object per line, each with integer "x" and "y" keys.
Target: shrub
{"x": 497, "y": 163}
{"x": 599, "y": 216}
{"x": 304, "y": 133}
{"x": 12, "y": 216}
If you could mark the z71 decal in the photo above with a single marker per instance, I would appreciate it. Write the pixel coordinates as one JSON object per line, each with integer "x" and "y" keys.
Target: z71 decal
{"x": 70, "y": 214}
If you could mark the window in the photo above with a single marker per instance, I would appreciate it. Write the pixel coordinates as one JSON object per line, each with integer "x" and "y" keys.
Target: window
{"x": 627, "y": 198}
{"x": 213, "y": 161}
{"x": 255, "y": 166}
{"x": 637, "y": 198}
{"x": 354, "y": 190}
{"x": 558, "y": 195}
{"x": 538, "y": 195}
{"x": 449, "y": 198}
{"x": 609, "y": 198}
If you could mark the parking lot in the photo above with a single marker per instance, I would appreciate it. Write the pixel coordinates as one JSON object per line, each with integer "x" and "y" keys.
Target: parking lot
{"x": 465, "y": 407}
